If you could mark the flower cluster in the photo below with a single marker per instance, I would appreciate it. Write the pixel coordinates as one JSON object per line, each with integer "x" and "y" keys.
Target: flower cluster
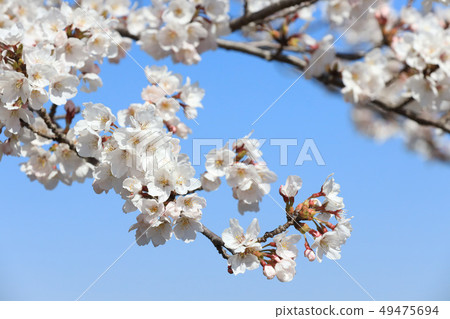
{"x": 390, "y": 59}
{"x": 142, "y": 162}
{"x": 244, "y": 170}
{"x": 412, "y": 70}
{"x": 278, "y": 257}
{"x": 415, "y": 65}
{"x": 182, "y": 29}
{"x": 168, "y": 96}
{"x": 46, "y": 53}
{"x": 423, "y": 50}
{"x": 361, "y": 15}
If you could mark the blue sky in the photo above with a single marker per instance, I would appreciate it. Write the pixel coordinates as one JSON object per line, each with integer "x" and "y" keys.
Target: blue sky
{"x": 54, "y": 244}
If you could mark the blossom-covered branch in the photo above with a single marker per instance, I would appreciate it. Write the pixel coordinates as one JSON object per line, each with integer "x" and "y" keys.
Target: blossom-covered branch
{"x": 50, "y": 51}
{"x": 399, "y": 84}
{"x": 409, "y": 78}
{"x": 335, "y": 81}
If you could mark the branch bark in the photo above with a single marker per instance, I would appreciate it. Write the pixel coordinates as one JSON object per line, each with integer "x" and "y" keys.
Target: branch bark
{"x": 330, "y": 80}
{"x": 260, "y": 15}
{"x": 28, "y": 126}
{"x": 261, "y": 53}
{"x": 216, "y": 241}
{"x": 401, "y": 110}
{"x": 280, "y": 229}
{"x": 60, "y": 137}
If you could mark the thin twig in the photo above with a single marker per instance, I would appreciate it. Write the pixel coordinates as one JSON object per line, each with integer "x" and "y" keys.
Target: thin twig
{"x": 53, "y": 111}
{"x": 60, "y": 137}
{"x": 28, "y": 126}
{"x": 260, "y": 15}
{"x": 330, "y": 79}
{"x": 216, "y": 241}
{"x": 401, "y": 110}
{"x": 264, "y": 54}
{"x": 280, "y": 229}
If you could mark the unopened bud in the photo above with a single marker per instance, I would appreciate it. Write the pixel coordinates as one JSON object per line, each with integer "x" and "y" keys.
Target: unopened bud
{"x": 285, "y": 198}
{"x": 275, "y": 34}
{"x": 269, "y": 272}
{"x": 275, "y": 258}
{"x": 299, "y": 208}
{"x": 230, "y": 271}
{"x": 285, "y": 28}
{"x": 310, "y": 255}
{"x": 314, "y": 233}
{"x": 313, "y": 202}
{"x": 302, "y": 227}
{"x": 71, "y": 110}
{"x": 314, "y": 47}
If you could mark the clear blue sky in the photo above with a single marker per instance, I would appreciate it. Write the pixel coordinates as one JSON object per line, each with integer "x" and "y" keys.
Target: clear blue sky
{"x": 54, "y": 244}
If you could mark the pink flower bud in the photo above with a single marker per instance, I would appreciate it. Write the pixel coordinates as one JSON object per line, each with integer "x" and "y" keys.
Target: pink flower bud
{"x": 71, "y": 110}
{"x": 230, "y": 271}
{"x": 269, "y": 272}
{"x": 310, "y": 255}
{"x": 314, "y": 47}
{"x": 7, "y": 148}
{"x": 280, "y": 191}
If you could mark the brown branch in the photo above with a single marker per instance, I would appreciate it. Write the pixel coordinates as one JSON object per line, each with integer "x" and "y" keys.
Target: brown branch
{"x": 280, "y": 229}
{"x": 195, "y": 190}
{"x": 53, "y": 111}
{"x": 261, "y": 53}
{"x": 63, "y": 116}
{"x": 216, "y": 241}
{"x": 330, "y": 79}
{"x": 125, "y": 33}
{"x": 327, "y": 79}
{"x": 350, "y": 55}
{"x": 28, "y": 126}
{"x": 260, "y": 15}
{"x": 245, "y": 8}
{"x": 60, "y": 137}
{"x": 434, "y": 149}
{"x": 401, "y": 110}
{"x": 289, "y": 11}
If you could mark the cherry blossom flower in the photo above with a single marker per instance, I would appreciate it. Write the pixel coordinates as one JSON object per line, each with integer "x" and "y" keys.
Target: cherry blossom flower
{"x": 328, "y": 244}
{"x": 89, "y": 144}
{"x": 63, "y": 88}
{"x": 285, "y": 270}
{"x": 242, "y": 175}
{"x": 14, "y": 85}
{"x": 172, "y": 36}
{"x": 210, "y": 182}
{"x": 98, "y": 116}
{"x": 186, "y": 227}
{"x": 161, "y": 184}
{"x": 179, "y": 11}
{"x": 343, "y": 229}
{"x": 291, "y": 187}
{"x": 331, "y": 189}
{"x": 242, "y": 261}
{"x": 219, "y": 160}
{"x": 286, "y": 245}
{"x": 235, "y": 238}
